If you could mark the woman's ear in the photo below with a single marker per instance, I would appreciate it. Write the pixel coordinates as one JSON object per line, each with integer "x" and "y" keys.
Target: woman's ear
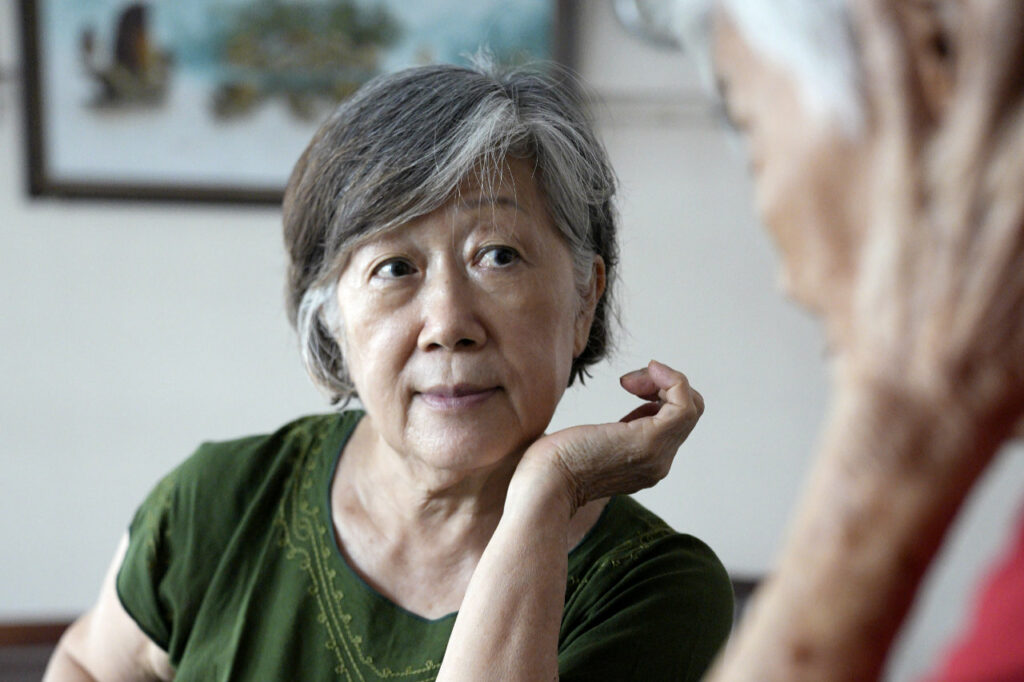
{"x": 585, "y": 317}
{"x": 928, "y": 26}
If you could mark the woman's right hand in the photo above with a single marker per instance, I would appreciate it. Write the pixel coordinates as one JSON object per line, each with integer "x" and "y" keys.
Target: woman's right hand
{"x": 600, "y": 460}
{"x": 931, "y": 304}
{"x": 509, "y": 621}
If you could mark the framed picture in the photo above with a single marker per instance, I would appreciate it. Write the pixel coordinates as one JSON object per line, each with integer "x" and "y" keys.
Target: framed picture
{"x": 214, "y": 100}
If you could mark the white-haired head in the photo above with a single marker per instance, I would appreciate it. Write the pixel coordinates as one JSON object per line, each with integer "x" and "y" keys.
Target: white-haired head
{"x": 812, "y": 40}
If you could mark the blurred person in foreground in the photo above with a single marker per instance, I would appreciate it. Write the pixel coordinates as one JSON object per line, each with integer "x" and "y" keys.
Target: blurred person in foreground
{"x": 452, "y": 243}
{"x": 886, "y": 139}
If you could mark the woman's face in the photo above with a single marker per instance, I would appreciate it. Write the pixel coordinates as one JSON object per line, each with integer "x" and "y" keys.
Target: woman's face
{"x": 460, "y": 327}
{"x": 808, "y": 174}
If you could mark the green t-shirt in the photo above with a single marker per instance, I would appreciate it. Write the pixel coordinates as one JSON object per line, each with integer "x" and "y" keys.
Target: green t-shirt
{"x": 233, "y": 569}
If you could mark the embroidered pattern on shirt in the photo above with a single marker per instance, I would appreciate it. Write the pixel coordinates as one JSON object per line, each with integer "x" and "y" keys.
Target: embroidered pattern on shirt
{"x": 307, "y": 537}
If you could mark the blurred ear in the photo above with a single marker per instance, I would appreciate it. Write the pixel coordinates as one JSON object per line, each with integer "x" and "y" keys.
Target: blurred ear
{"x": 928, "y": 26}
{"x": 588, "y": 306}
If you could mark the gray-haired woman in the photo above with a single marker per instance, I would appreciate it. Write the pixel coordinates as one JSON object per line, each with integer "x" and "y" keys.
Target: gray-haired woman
{"x": 452, "y": 244}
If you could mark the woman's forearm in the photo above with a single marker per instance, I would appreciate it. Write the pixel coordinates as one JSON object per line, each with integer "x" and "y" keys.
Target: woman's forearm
{"x": 508, "y": 624}
{"x": 891, "y": 474}
{"x": 509, "y": 620}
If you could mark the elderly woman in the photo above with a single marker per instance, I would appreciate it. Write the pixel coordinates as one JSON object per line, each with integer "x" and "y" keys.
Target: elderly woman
{"x": 887, "y": 144}
{"x": 452, "y": 244}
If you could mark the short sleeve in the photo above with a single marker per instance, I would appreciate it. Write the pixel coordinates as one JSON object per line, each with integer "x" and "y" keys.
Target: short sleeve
{"x": 146, "y": 563}
{"x": 659, "y": 613}
{"x": 177, "y": 537}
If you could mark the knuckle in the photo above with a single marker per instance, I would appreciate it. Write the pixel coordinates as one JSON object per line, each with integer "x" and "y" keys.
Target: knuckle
{"x": 698, "y": 401}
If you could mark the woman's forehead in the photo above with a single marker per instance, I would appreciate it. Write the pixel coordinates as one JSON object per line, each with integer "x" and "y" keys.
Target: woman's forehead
{"x": 507, "y": 177}
{"x": 499, "y": 190}
{"x": 488, "y": 209}
{"x": 509, "y": 187}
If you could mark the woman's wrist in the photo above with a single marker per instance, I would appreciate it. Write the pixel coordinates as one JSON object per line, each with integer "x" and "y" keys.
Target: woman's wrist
{"x": 893, "y": 468}
{"x": 508, "y": 622}
{"x": 539, "y": 487}
{"x": 885, "y": 420}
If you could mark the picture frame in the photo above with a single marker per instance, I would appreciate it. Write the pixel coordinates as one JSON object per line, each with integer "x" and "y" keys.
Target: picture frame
{"x": 214, "y": 100}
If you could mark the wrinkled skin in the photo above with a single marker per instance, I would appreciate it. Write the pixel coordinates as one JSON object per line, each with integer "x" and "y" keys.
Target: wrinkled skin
{"x": 904, "y": 240}
{"x": 909, "y": 243}
{"x": 938, "y": 291}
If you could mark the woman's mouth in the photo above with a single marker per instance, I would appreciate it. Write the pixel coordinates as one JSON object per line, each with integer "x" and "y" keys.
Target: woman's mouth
{"x": 457, "y": 397}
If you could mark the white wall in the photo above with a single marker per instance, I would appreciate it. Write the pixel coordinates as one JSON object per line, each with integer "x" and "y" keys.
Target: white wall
{"x": 129, "y": 332}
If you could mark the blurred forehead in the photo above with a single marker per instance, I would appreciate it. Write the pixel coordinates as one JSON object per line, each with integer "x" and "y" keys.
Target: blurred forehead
{"x": 811, "y": 40}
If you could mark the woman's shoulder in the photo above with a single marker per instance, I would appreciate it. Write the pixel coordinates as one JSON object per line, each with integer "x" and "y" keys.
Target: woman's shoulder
{"x": 643, "y": 597}
{"x": 628, "y": 530}
{"x": 223, "y": 477}
{"x": 234, "y": 456}
{"x": 224, "y": 496}
{"x": 236, "y": 462}
{"x": 631, "y": 543}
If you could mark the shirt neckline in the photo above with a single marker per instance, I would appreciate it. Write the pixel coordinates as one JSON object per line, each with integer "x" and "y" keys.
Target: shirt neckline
{"x": 369, "y": 590}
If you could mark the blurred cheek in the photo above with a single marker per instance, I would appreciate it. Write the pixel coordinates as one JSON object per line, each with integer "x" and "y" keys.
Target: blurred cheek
{"x": 778, "y": 196}
{"x": 791, "y": 208}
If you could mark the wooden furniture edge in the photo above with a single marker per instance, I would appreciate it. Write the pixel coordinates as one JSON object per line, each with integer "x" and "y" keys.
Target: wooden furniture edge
{"x": 29, "y": 633}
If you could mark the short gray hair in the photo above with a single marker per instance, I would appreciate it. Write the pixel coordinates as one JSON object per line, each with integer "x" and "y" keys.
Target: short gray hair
{"x": 401, "y": 146}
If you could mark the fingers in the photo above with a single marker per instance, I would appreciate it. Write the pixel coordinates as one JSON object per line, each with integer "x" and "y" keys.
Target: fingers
{"x": 658, "y": 381}
{"x": 645, "y": 410}
{"x": 601, "y": 460}
{"x": 640, "y": 383}
{"x": 894, "y": 93}
{"x": 664, "y": 387}
{"x": 648, "y": 382}
{"x": 658, "y": 427}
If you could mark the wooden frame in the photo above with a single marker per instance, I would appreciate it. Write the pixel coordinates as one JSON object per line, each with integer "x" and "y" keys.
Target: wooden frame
{"x": 32, "y": 633}
{"x": 111, "y": 123}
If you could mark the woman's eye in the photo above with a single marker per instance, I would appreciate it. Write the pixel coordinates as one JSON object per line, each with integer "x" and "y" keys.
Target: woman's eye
{"x": 394, "y": 268}
{"x": 498, "y": 256}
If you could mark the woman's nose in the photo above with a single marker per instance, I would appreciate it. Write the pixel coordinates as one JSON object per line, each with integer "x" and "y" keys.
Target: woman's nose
{"x": 451, "y": 318}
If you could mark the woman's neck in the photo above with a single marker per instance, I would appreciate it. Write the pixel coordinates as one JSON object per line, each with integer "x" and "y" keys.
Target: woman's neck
{"x": 400, "y": 494}
{"x": 412, "y": 533}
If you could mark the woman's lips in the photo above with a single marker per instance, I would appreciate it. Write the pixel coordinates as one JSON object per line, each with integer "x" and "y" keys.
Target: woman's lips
{"x": 458, "y": 397}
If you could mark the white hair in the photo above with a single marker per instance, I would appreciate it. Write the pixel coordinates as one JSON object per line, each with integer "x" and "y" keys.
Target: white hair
{"x": 812, "y": 40}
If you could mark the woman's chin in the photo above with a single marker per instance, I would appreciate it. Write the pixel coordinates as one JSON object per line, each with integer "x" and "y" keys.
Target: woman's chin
{"x": 463, "y": 431}
{"x": 456, "y": 444}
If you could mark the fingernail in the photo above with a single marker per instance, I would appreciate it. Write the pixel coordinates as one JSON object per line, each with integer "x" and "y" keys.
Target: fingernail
{"x": 635, "y": 372}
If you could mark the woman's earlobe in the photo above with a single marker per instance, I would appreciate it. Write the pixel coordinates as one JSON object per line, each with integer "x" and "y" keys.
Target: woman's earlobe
{"x": 588, "y": 309}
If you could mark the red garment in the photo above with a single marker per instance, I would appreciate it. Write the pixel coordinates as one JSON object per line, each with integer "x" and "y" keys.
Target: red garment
{"x": 992, "y": 649}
